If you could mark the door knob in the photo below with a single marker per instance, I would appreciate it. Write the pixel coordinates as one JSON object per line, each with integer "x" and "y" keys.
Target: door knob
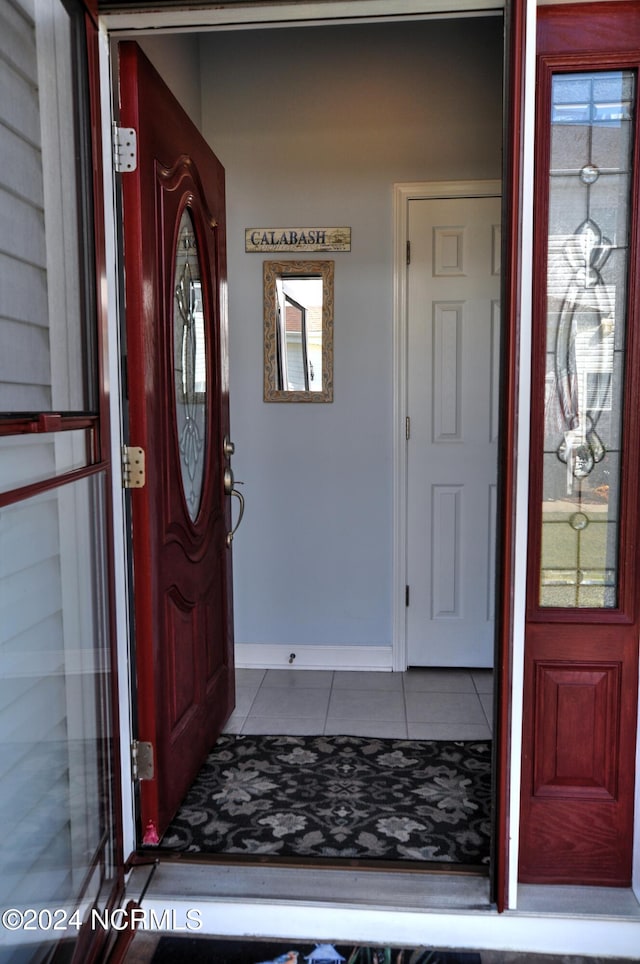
{"x": 228, "y": 481}
{"x": 239, "y": 496}
{"x": 230, "y": 489}
{"x": 228, "y": 447}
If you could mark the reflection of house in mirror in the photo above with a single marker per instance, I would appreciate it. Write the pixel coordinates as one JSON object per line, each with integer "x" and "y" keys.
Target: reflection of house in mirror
{"x": 301, "y": 346}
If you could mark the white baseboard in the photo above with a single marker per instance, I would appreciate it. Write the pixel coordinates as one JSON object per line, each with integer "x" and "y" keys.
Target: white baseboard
{"x": 271, "y": 656}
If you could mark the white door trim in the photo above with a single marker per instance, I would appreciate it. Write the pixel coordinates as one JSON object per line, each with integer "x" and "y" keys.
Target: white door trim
{"x": 253, "y": 14}
{"x": 402, "y": 194}
{"x": 113, "y": 360}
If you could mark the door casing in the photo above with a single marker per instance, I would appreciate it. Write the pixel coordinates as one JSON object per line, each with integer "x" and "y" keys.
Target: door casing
{"x": 453, "y": 360}
{"x": 518, "y": 223}
{"x": 403, "y": 193}
{"x": 116, "y": 24}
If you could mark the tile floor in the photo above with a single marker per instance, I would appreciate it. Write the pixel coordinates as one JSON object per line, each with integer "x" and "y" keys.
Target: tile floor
{"x": 421, "y": 704}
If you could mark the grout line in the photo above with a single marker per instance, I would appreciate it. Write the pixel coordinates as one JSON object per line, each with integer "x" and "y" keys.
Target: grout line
{"x": 486, "y": 716}
{"x": 404, "y": 700}
{"x": 255, "y": 697}
{"x": 326, "y": 715}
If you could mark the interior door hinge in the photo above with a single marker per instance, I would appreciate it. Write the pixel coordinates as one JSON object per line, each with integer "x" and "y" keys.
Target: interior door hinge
{"x": 406, "y": 595}
{"x": 141, "y": 760}
{"x": 133, "y": 467}
{"x": 125, "y": 149}
{"x": 408, "y": 252}
{"x": 407, "y": 428}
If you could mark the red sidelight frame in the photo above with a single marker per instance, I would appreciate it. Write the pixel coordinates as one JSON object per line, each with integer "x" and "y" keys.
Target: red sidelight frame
{"x": 601, "y": 47}
{"x": 580, "y": 651}
{"x": 626, "y": 611}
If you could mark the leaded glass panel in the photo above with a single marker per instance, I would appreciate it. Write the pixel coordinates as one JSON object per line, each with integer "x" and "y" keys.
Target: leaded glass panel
{"x": 587, "y": 263}
{"x": 190, "y": 365}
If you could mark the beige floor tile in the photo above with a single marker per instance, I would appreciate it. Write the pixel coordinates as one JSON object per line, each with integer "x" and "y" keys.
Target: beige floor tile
{"x": 289, "y": 702}
{"x": 380, "y": 729}
{"x": 279, "y": 726}
{"x": 438, "y": 681}
{"x": 444, "y": 708}
{"x": 448, "y": 731}
{"x": 371, "y": 705}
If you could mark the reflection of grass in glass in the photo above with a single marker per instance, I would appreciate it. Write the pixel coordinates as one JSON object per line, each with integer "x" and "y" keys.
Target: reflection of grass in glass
{"x": 565, "y": 550}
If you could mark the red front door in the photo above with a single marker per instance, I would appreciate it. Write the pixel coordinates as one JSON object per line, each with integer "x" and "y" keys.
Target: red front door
{"x": 581, "y": 649}
{"x": 174, "y": 217}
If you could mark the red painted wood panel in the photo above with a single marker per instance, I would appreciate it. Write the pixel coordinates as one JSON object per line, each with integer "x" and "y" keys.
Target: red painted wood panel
{"x": 577, "y": 716}
{"x": 576, "y": 28}
{"x": 581, "y": 665}
{"x": 182, "y": 567}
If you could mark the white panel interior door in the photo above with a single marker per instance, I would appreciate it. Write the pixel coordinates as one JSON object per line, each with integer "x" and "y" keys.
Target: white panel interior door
{"x": 453, "y": 370}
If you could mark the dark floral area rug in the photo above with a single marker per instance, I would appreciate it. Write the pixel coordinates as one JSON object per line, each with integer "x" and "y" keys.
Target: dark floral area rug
{"x": 341, "y": 797}
{"x": 176, "y": 950}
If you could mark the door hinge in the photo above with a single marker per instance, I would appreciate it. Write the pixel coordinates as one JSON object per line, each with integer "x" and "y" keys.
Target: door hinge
{"x": 141, "y": 760}
{"x": 406, "y": 595}
{"x": 407, "y": 428}
{"x": 125, "y": 149}
{"x": 133, "y": 467}
{"x": 408, "y": 252}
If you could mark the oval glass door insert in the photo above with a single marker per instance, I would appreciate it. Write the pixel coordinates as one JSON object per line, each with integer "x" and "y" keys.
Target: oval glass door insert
{"x": 190, "y": 365}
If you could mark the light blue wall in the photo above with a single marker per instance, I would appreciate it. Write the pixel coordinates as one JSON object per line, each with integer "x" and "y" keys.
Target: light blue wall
{"x": 176, "y": 57}
{"x": 314, "y": 126}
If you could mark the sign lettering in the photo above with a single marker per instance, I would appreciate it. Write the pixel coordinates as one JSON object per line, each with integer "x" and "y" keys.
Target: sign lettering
{"x": 297, "y": 239}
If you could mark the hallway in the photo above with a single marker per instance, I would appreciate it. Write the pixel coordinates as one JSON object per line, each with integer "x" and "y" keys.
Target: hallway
{"x": 420, "y": 704}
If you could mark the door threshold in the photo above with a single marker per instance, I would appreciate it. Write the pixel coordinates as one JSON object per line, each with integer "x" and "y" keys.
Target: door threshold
{"x": 164, "y": 878}
{"x": 144, "y": 857}
{"x": 576, "y": 901}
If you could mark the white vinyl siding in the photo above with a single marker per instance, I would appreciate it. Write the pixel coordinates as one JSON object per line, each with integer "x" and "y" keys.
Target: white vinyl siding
{"x": 25, "y": 369}
{"x": 41, "y": 350}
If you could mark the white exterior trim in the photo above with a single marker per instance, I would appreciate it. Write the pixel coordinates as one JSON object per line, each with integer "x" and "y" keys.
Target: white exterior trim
{"x": 519, "y": 579}
{"x": 272, "y": 656}
{"x": 402, "y": 194}
{"x": 609, "y": 937}
{"x": 253, "y": 15}
{"x": 120, "y": 536}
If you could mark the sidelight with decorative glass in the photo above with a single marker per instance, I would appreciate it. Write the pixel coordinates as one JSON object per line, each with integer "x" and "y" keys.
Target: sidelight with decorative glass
{"x": 587, "y": 264}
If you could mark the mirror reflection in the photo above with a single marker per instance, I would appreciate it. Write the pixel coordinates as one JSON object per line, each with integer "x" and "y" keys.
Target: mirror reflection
{"x": 298, "y": 331}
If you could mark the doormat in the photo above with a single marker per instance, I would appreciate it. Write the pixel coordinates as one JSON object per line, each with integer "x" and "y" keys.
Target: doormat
{"x": 191, "y": 950}
{"x": 342, "y": 797}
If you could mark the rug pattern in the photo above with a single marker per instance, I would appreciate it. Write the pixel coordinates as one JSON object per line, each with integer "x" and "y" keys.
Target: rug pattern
{"x": 340, "y": 796}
